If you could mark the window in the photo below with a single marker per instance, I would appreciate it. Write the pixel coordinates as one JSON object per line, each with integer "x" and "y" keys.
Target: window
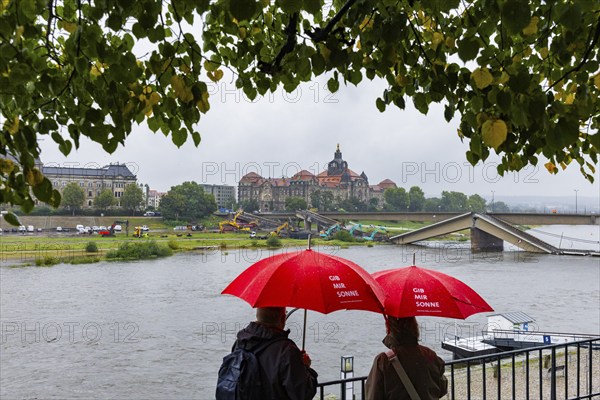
{"x": 89, "y": 193}
{"x": 89, "y": 202}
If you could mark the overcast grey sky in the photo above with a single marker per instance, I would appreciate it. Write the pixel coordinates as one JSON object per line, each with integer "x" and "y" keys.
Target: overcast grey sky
{"x": 280, "y": 134}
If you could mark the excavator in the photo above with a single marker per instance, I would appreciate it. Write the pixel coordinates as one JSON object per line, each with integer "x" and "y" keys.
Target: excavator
{"x": 111, "y": 229}
{"x": 229, "y": 224}
{"x": 332, "y": 229}
{"x": 356, "y": 230}
{"x": 280, "y": 228}
{"x": 373, "y": 236}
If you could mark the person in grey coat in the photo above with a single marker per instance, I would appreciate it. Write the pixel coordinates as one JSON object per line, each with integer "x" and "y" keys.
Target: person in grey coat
{"x": 422, "y": 365}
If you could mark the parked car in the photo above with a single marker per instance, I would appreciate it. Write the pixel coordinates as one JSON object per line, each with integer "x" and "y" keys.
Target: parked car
{"x": 59, "y": 229}
{"x": 149, "y": 214}
{"x": 102, "y": 228}
{"x": 95, "y": 228}
{"x": 145, "y": 228}
{"x": 117, "y": 228}
{"x": 30, "y": 228}
{"x": 22, "y": 229}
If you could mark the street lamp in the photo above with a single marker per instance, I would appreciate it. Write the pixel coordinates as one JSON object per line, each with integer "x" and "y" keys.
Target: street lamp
{"x": 347, "y": 371}
{"x": 493, "y": 191}
{"x": 576, "y": 190}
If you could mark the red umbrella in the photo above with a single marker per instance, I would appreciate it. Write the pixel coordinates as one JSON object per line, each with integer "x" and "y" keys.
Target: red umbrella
{"x": 414, "y": 291}
{"x": 310, "y": 280}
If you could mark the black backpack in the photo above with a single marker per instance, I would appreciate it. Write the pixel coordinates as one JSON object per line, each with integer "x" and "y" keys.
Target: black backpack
{"x": 239, "y": 375}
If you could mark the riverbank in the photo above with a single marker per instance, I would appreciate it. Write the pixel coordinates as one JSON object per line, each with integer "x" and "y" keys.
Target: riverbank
{"x": 39, "y": 249}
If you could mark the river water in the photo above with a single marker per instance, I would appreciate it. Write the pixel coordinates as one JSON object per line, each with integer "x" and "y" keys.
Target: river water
{"x": 158, "y": 329}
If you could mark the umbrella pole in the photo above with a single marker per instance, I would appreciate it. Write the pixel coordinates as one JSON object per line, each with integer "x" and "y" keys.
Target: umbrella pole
{"x": 304, "y": 330}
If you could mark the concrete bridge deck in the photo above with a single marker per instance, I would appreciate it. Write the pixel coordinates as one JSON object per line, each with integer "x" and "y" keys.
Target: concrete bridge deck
{"x": 487, "y": 233}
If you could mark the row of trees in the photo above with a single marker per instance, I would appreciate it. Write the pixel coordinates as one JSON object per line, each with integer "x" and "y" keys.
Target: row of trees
{"x": 397, "y": 199}
{"x": 185, "y": 202}
{"x": 73, "y": 198}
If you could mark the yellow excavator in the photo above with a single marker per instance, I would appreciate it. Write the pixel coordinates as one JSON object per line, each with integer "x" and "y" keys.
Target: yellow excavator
{"x": 280, "y": 228}
{"x": 233, "y": 223}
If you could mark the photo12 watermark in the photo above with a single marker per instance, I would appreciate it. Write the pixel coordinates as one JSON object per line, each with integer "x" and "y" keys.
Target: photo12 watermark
{"x": 34, "y": 332}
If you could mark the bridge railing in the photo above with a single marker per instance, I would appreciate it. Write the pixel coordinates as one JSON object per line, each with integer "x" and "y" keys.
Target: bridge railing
{"x": 559, "y": 371}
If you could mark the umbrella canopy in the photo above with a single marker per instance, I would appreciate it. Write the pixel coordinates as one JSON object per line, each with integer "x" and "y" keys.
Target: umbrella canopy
{"x": 310, "y": 280}
{"x": 414, "y": 291}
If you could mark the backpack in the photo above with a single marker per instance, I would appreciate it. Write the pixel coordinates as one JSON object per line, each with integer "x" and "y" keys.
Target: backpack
{"x": 239, "y": 375}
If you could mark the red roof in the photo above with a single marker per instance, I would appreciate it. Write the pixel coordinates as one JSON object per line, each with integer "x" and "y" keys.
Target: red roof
{"x": 303, "y": 175}
{"x": 387, "y": 183}
{"x": 252, "y": 177}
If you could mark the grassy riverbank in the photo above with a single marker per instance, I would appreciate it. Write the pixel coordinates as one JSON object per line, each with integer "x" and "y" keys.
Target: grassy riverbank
{"x": 45, "y": 250}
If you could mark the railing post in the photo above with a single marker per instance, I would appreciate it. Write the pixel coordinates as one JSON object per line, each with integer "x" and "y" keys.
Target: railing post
{"x": 553, "y": 375}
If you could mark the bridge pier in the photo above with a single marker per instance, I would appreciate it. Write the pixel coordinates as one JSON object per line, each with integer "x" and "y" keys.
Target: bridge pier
{"x": 483, "y": 241}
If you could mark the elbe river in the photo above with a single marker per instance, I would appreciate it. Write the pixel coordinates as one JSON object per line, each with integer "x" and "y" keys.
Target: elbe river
{"x": 158, "y": 329}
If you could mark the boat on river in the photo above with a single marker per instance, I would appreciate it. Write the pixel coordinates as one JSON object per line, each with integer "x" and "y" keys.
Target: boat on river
{"x": 506, "y": 332}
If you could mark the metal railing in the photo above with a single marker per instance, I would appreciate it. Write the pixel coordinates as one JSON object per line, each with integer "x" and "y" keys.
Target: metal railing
{"x": 559, "y": 371}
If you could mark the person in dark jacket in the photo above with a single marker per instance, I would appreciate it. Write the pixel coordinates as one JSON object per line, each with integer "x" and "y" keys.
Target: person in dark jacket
{"x": 285, "y": 370}
{"x": 422, "y": 365}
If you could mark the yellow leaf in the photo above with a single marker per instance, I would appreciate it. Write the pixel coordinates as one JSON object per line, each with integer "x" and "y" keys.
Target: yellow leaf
{"x": 493, "y": 132}
{"x": 367, "y": 23}
{"x": 14, "y": 127}
{"x": 543, "y": 52}
{"x": 4, "y": 5}
{"x": 6, "y": 166}
{"x": 70, "y": 26}
{"x": 185, "y": 68}
{"x": 401, "y": 80}
{"x": 256, "y": 30}
{"x": 183, "y": 92}
{"x": 503, "y": 78}
{"x": 34, "y": 177}
{"x": 482, "y": 78}
{"x": 597, "y": 81}
{"x": 154, "y": 98}
{"x": 436, "y": 40}
{"x": 449, "y": 42}
{"x": 570, "y": 98}
{"x": 203, "y": 104}
{"x": 215, "y": 76}
{"x": 242, "y": 32}
{"x": 325, "y": 52}
{"x": 551, "y": 167}
{"x": 531, "y": 29}
{"x": 95, "y": 70}
{"x": 210, "y": 66}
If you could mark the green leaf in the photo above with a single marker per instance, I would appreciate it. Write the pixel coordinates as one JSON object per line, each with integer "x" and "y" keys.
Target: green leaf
{"x": 196, "y": 138}
{"x": 468, "y": 49}
{"x": 595, "y": 140}
{"x": 572, "y": 16}
{"x": 289, "y": 6}
{"x": 179, "y": 136}
{"x": 43, "y": 191}
{"x": 313, "y": 6}
{"x": 504, "y": 99}
{"x": 516, "y": 15}
{"x": 65, "y": 147}
{"x": 242, "y": 9}
{"x": 380, "y": 104}
{"x": 333, "y": 85}
{"x": 12, "y": 219}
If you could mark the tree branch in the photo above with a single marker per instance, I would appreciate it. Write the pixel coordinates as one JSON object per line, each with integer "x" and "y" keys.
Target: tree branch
{"x": 584, "y": 59}
{"x": 291, "y": 30}
{"x": 320, "y": 35}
